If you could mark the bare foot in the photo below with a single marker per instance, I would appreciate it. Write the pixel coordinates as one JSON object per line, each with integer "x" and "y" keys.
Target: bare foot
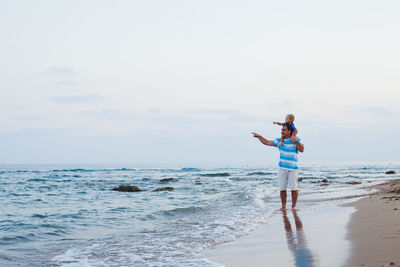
{"x": 283, "y": 208}
{"x": 294, "y": 208}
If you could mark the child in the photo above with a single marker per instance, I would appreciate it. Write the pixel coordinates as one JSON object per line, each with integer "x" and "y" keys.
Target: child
{"x": 288, "y": 121}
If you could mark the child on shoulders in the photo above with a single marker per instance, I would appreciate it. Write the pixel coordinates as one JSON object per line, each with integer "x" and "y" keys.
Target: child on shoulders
{"x": 288, "y": 121}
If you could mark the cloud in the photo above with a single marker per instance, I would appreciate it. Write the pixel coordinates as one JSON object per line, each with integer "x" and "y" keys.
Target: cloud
{"x": 206, "y": 116}
{"x": 64, "y": 71}
{"x": 153, "y": 110}
{"x": 77, "y": 98}
{"x": 227, "y": 115}
{"x": 212, "y": 111}
{"x": 110, "y": 114}
{"x": 284, "y": 104}
{"x": 379, "y": 111}
{"x": 29, "y": 117}
{"x": 65, "y": 82}
{"x": 29, "y": 131}
{"x": 241, "y": 117}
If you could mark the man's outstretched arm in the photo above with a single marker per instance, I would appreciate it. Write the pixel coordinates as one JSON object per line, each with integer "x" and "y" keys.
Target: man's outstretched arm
{"x": 263, "y": 140}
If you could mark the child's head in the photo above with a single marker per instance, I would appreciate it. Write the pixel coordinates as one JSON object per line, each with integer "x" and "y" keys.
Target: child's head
{"x": 289, "y": 118}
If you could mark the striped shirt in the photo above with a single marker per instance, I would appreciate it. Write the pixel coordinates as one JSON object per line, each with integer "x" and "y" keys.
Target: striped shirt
{"x": 288, "y": 154}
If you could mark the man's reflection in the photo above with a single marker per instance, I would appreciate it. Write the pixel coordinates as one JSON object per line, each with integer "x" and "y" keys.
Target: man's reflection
{"x": 297, "y": 244}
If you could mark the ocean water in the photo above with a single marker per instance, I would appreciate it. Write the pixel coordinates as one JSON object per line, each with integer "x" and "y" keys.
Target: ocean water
{"x": 63, "y": 215}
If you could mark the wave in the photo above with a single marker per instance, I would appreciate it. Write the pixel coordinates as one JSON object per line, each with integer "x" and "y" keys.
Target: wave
{"x": 92, "y": 170}
{"x": 309, "y": 177}
{"x": 15, "y": 239}
{"x": 41, "y": 216}
{"x": 37, "y": 180}
{"x": 186, "y": 210}
{"x": 216, "y": 174}
{"x": 119, "y": 209}
{"x": 19, "y": 171}
{"x": 190, "y": 169}
{"x": 159, "y": 170}
{"x": 20, "y": 194}
{"x": 73, "y": 170}
{"x": 250, "y": 178}
{"x": 260, "y": 173}
{"x": 120, "y": 169}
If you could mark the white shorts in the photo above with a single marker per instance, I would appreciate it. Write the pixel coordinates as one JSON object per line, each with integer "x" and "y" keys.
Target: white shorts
{"x": 287, "y": 177}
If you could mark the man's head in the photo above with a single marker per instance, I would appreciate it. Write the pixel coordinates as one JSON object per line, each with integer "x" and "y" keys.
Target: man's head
{"x": 286, "y": 131}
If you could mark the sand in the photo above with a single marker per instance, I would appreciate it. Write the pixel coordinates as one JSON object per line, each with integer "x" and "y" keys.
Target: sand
{"x": 309, "y": 237}
{"x": 374, "y": 228}
{"x": 362, "y": 233}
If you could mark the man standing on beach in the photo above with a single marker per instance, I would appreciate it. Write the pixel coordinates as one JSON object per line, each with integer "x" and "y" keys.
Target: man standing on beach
{"x": 288, "y": 169}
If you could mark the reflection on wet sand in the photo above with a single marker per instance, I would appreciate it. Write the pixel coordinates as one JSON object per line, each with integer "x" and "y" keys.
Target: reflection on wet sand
{"x": 297, "y": 243}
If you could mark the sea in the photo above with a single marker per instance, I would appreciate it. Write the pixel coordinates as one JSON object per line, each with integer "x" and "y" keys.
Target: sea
{"x": 68, "y": 215}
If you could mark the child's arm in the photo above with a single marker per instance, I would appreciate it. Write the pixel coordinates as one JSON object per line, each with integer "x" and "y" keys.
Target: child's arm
{"x": 278, "y": 123}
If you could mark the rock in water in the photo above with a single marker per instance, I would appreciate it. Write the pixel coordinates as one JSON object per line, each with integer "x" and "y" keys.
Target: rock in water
{"x": 167, "y": 188}
{"x": 390, "y": 172}
{"x": 211, "y": 191}
{"x": 353, "y": 182}
{"x": 164, "y": 180}
{"x": 127, "y": 188}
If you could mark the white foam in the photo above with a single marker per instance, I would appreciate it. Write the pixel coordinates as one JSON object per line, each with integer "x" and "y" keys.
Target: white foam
{"x": 75, "y": 257}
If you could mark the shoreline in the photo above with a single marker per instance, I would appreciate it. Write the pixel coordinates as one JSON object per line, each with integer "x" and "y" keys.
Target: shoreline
{"x": 291, "y": 239}
{"x": 364, "y": 232}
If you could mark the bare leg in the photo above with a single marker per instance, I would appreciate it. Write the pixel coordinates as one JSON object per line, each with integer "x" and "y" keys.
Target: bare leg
{"x": 283, "y": 200}
{"x": 295, "y": 194}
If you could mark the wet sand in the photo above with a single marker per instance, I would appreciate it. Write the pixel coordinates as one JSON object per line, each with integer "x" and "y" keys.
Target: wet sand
{"x": 363, "y": 233}
{"x": 374, "y": 229}
{"x": 309, "y": 237}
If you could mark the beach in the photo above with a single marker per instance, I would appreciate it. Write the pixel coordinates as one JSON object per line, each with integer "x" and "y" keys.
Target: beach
{"x": 374, "y": 229}
{"x": 164, "y": 133}
{"x": 365, "y": 232}
{"x": 70, "y": 215}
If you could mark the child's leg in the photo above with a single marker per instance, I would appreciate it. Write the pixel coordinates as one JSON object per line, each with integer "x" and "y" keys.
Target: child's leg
{"x": 292, "y": 134}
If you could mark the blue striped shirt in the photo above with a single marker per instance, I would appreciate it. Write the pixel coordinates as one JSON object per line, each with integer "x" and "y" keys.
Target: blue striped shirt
{"x": 288, "y": 154}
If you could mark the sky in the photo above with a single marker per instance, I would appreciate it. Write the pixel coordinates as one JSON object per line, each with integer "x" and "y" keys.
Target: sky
{"x": 186, "y": 82}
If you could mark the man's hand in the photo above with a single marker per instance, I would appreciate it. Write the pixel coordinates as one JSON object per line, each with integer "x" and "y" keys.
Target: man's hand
{"x": 263, "y": 140}
{"x": 299, "y": 146}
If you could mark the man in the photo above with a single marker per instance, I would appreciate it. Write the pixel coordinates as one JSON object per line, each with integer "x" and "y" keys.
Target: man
{"x": 288, "y": 169}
